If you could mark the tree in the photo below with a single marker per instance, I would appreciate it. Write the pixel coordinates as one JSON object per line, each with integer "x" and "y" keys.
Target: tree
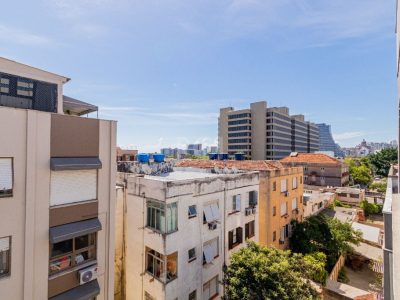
{"x": 321, "y": 233}
{"x": 261, "y": 273}
{"x": 371, "y": 208}
{"x": 382, "y": 160}
{"x": 360, "y": 171}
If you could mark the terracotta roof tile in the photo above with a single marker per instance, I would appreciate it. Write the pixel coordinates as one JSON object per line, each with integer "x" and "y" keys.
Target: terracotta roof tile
{"x": 316, "y": 158}
{"x": 254, "y": 165}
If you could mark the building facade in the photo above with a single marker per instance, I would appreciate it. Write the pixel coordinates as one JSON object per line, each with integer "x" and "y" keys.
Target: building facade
{"x": 326, "y": 141}
{"x": 319, "y": 169}
{"x": 180, "y": 230}
{"x": 262, "y": 132}
{"x": 57, "y": 175}
{"x": 315, "y": 201}
{"x": 126, "y": 154}
{"x": 280, "y": 196}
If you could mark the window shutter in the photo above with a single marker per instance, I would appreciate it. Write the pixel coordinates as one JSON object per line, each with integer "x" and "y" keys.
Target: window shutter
{"x": 6, "y": 174}
{"x": 239, "y": 234}
{"x": 246, "y": 231}
{"x": 230, "y": 239}
{"x": 71, "y": 186}
{"x": 283, "y": 185}
{"x": 283, "y": 234}
{"x": 294, "y": 203}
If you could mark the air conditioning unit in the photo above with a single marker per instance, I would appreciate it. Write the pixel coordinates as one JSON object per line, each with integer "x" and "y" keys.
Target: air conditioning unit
{"x": 88, "y": 274}
{"x": 253, "y": 210}
{"x": 212, "y": 226}
{"x": 248, "y": 211}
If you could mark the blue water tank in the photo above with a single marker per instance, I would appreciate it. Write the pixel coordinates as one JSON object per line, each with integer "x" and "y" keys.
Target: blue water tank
{"x": 223, "y": 156}
{"x": 212, "y": 156}
{"x": 143, "y": 157}
{"x": 158, "y": 157}
{"x": 239, "y": 156}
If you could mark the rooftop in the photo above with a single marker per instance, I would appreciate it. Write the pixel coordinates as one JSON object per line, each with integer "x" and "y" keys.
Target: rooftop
{"x": 252, "y": 165}
{"x": 313, "y": 158}
{"x": 182, "y": 175}
{"x": 370, "y": 233}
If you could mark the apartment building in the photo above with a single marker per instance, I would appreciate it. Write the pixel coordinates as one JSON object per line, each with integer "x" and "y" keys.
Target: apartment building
{"x": 280, "y": 196}
{"x": 126, "y": 154}
{"x": 262, "y": 132}
{"x": 315, "y": 201}
{"x": 57, "y": 178}
{"x": 319, "y": 169}
{"x": 181, "y": 228}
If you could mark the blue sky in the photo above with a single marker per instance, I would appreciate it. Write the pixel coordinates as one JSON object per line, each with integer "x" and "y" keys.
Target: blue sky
{"x": 164, "y": 68}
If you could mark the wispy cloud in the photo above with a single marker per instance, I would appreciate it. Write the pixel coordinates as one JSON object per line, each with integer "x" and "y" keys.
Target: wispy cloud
{"x": 348, "y": 135}
{"x": 22, "y": 37}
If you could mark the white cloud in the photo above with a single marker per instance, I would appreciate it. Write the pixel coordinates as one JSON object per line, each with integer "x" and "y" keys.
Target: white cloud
{"x": 348, "y": 135}
{"x": 22, "y": 37}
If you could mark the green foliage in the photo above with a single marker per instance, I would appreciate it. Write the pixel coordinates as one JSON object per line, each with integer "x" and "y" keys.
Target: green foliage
{"x": 324, "y": 234}
{"x": 371, "y": 208}
{"x": 379, "y": 186}
{"x": 338, "y": 203}
{"x": 382, "y": 160}
{"x": 261, "y": 273}
{"x": 342, "y": 276}
{"x": 360, "y": 171}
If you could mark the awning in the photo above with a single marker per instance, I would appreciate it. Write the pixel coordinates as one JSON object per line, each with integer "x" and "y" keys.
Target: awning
{"x": 83, "y": 292}
{"x": 68, "y": 231}
{"x": 77, "y": 107}
{"x": 74, "y": 163}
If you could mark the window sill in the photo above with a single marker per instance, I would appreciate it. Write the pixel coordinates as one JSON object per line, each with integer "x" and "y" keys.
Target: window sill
{"x": 191, "y": 217}
{"x": 234, "y": 246}
{"x": 5, "y": 275}
{"x": 193, "y": 259}
{"x": 285, "y": 215}
{"x": 233, "y": 212}
{"x": 159, "y": 231}
{"x": 159, "y": 279}
{"x": 6, "y": 195}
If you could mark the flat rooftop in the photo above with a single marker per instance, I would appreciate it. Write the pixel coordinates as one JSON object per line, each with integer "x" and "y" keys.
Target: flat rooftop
{"x": 182, "y": 175}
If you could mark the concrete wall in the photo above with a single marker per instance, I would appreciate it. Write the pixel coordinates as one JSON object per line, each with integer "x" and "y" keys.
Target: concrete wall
{"x": 258, "y": 128}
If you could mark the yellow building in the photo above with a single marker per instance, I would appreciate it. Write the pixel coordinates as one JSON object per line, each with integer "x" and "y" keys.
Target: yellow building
{"x": 280, "y": 195}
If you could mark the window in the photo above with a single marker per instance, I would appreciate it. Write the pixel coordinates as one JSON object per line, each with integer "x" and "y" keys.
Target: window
{"x": 210, "y": 288}
{"x": 301, "y": 179}
{"x": 274, "y": 186}
{"x": 6, "y": 177}
{"x": 192, "y": 211}
{"x": 235, "y": 237}
{"x": 294, "y": 203}
{"x": 162, "y": 217}
{"x": 274, "y": 211}
{"x": 4, "y": 85}
{"x": 274, "y": 236}
{"x": 211, "y": 213}
{"x": 192, "y": 295}
{"x": 282, "y": 238}
{"x": 210, "y": 251}
{"x": 71, "y": 186}
{"x": 162, "y": 267}
{"x": 284, "y": 209}
{"x": 253, "y": 198}
{"x": 5, "y": 256}
{"x": 192, "y": 254}
{"x": 236, "y": 203}
{"x": 294, "y": 183}
{"x": 250, "y": 230}
{"x": 25, "y": 87}
{"x": 70, "y": 253}
{"x": 283, "y": 185}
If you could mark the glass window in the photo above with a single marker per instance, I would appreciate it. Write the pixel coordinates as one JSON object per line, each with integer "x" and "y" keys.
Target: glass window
{"x": 73, "y": 252}
{"x": 274, "y": 211}
{"x": 24, "y": 87}
{"x": 192, "y": 254}
{"x": 210, "y": 289}
{"x": 236, "y": 203}
{"x": 6, "y": 177}
{"x": 274, "y": 186}
{"x": 192, "y": 211}
{"x": 294, "y": 203}
{"x": 160, "y": 266}
{"x": 210, "y": 250}
{"x": 5, "y": 256}
{"x": 274, "y": 236}
{"x": 253, "y": 198}
{"x": 161, "y": 217}
{"x": 283, "y": 185}
{"x": 192, "y": 295}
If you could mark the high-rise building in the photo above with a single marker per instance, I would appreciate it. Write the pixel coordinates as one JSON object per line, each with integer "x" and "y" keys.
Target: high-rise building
{"x": 57, "y": 190}
{"x": 262, "y": 132}
{"x": 326, "y": 141}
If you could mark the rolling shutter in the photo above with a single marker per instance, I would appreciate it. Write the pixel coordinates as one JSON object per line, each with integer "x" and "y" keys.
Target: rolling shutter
{"x": 239, "y": 234}
{"x": 6, "y": 174}
{"x": 73, "y": 186}
{"x": 215, "y": 211}
{"x": 283, "y": 185}
{"x": 294, "y": 203}
{"x": 208, "y": 253}
{"x": 208, "y": 213}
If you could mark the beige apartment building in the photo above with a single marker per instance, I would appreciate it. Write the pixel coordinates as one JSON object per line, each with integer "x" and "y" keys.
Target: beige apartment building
{"x": 319, "y": 169}
{"x": 262, "y": 132}
{"x": 57, "y": 191}
{"x": 179, "y": 229}
{"x": 280, "y": 197}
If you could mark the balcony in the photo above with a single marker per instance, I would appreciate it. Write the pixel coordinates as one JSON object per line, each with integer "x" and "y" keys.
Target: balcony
{"x": 161, "y": 267}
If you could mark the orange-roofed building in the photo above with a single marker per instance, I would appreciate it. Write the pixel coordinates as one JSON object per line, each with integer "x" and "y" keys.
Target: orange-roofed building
{"x": 280, "y": 195}
{"x": 319, "y": 169}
